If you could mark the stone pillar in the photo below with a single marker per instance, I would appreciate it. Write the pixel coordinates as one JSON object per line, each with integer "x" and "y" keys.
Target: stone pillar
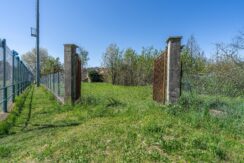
{"x": 70, "y": 77}
{"x": 174, "y": 70}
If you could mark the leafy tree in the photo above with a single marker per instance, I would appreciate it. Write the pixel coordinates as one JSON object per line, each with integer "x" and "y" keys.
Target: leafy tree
{"x": 129, "y": 67}
{"x": 111, "y": 61}
{"x": 48, "y": 64}
{"x": 130, "y": 64}
{"x": 145, "y": 65}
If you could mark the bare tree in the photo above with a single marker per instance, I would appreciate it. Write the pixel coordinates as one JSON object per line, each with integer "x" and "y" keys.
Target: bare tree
{"x": 231, "y": 52}
{"x": 83, "y": 53}
{"x": 229, "y": 66}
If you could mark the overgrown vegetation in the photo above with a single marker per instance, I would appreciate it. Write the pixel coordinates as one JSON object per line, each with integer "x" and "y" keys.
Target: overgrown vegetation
{"x": 123, "y": 124}
{"x": 222, "y": 74}
{"x": 219, "y": 74}
{"x": 129, "y": 67}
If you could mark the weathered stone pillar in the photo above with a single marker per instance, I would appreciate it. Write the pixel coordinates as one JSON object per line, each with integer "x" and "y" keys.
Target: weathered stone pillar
{"x": 71, "y": 83}
{"x": 174, "y": 70}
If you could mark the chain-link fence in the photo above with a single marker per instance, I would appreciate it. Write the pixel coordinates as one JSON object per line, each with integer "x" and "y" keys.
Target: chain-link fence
{"x": 14, "y": 76}
{"x": 220, "y": 75}
{"x": 55, "y": 83}
{"x": 213, "y": 88}
{"x": 229, "y": 84}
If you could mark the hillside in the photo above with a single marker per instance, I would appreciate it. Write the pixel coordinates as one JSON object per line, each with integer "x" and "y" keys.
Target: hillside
{"x": 123, "y": 124}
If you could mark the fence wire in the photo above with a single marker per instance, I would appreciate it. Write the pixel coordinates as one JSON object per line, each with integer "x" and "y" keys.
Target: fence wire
{"x": 1, "y": 76}
{"x": 14, "y": 76}
{"x": 55, "y": 83}
{"x": 228, "y": 83}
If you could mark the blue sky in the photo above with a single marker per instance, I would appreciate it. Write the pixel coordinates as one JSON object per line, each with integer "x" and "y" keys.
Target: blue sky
{"x": 94, "y": 24}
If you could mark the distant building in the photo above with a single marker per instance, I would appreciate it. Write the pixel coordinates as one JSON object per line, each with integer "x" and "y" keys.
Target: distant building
{"x": 84, "y": 75}
{"x": 85, "y": 72}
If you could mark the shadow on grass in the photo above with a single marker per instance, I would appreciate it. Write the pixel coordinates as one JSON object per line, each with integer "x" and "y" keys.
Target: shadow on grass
{"x": 52, "y": 126}
{"x": 7, "y": 124}
{"x": 29, "y": 109}
{"x": 45, "y": 126}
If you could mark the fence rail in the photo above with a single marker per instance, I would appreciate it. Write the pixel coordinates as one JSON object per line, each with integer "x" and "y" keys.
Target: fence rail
{"x": 14, "y": 76}
{"x": 55, "y": 83}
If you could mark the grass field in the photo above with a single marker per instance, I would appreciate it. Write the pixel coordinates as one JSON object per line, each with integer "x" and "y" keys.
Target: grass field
{"x": 122, "y": 124}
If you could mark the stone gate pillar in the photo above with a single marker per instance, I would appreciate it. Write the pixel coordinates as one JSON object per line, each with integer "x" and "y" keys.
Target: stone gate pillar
{"x": 72, "y": 78}
{"x": 173, "y": 70}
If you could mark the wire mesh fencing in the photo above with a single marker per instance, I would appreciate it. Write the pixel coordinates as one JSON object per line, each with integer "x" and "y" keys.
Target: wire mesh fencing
{"x": 220, "y": 75}
{"x": 1, "y": 75}
{"x": 55, "y": 83}
{"x": 214, "y": 83}
{"x": 214, "y": 88}
{"x": 15, "y": 77}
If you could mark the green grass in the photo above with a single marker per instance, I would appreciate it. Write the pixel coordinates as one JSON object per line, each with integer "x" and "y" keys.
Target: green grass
{"x": 123, "y": 124}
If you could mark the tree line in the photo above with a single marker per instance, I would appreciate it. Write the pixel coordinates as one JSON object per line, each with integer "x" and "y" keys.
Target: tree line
{"x": 48, "y": 63}
{"x": 127, "y": 67}
{"x": 221, "y": 73}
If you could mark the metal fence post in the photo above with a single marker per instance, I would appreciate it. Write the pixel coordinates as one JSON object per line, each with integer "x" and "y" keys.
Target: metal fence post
{"x": 20, "y": 76}
{"x": 17, "y": 76}
{"x": 13, "y": 76}
{"x": 49, "y": 81}
{"x": 45, "y": 80}
{"x": 24, "y": 76}
{"x": 26, "y": 72}
{"x": 58, "y": 85}
{"x": 53, "y": 82}
{"x": 5, "y": 102}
